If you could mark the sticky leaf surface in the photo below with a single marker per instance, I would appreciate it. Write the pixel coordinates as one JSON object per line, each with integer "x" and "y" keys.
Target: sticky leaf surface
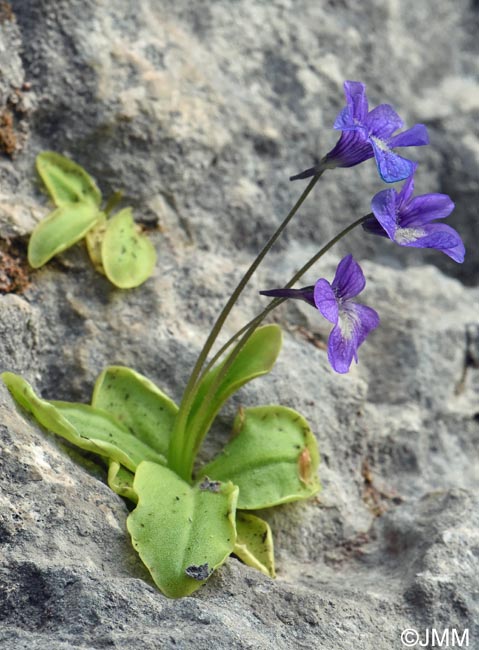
{"x": 254, "y": 543}
{"x": 256, "y": 358}
{"x": 59, "y": 230}
{"x": 127, "y": 255}
{"x": 120, "y": 480}
{"x": 138, "y": 404}
{"x": 182, "y": 533}
{"x": 98, "y": 425}
{"x": 272, "y": 458}
{"x": 66, "y": 181}
{"x": 82, "y": 425}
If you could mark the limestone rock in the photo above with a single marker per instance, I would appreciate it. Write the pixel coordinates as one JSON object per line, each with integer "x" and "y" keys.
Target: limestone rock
{"x": 200, "y": 111}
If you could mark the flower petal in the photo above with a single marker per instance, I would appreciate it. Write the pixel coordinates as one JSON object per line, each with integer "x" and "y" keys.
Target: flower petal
{"x": 368, "y": 319}
{"x": 456, "y": 253}
{"x": 349, "y": 279}
{"x": 357, "y": 106}
{"x": 416, "y": 136}
{"x": 425, "y": 208}
{"x": 391, "y": 166}
{"x": 383, "y": 206}
{"x": 351, "y": 149}
{"x": 355, "y": 92}
{"x": 443, "y": 238}
{"x": 340, "y": 351}
{"x": 355, "y": 323}
{"x": 382, "y": 121}
{"x": 406, "y": 191}
{"x": 326, "y": 301}
{"x": 345, "y": 121}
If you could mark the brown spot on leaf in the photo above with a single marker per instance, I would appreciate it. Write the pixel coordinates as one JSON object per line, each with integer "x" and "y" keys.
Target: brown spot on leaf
{"x": 239, "y": 422}
{"x": 304, "y": 465}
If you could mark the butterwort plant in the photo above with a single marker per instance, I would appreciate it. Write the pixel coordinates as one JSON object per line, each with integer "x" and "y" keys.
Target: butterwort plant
{"x": 186, "y": 519}
{"x": 115, "y": 243}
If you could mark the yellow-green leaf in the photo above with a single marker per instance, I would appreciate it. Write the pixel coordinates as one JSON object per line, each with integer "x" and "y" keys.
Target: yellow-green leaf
{"x": 254, "y": 543}
{"x": 82, "y": 425}
{"x": 100, "y": 426}
{"x": 138, "y": 404}
{"x": 272, "y": 457}
{"x": 120, "y": 480}
{"x": 59, "y": 230}
{"x": 94, "y": 240}
{"x": 66, "y": 181}
{"x": 256, "y": 358}
{"x": 181, "y": 532}
{"x": 127, "y": 255}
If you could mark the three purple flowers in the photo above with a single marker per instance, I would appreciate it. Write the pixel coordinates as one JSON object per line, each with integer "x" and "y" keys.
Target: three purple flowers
{"x": 406, "y": 220}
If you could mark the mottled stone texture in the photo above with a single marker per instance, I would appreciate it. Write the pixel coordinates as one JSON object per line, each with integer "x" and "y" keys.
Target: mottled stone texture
{"x": 200, "y": 110}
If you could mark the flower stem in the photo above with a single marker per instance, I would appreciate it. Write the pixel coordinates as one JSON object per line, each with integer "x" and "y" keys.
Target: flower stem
{"x": 195, "y": 437}
{"x": 176, "y": 459}
{"x": 277, "y": 301}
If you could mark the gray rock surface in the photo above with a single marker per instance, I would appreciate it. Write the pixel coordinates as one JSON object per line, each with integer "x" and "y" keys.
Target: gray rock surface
{"x": 200, "y": 111}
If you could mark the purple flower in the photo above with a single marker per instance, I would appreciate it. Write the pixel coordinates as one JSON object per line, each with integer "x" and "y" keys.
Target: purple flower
{"x": 408, "y": 221}
{"x": 370, "y": 133}
{"x": 352, "y": 321}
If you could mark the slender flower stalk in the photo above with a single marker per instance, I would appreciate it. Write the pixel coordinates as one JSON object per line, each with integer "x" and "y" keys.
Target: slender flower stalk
{"x": 245, "y": 334}
{"x": 176, "y": 448}
{"x": 364, "y": 134}
{"x": 257, "y": 320}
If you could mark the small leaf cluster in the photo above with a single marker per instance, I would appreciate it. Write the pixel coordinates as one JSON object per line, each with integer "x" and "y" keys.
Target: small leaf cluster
{"x": 116, "y": 245}
{"x": 183, "y": 529}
